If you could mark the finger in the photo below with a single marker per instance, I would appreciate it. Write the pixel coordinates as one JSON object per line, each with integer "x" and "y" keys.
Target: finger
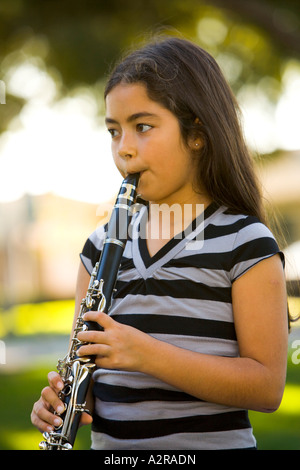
{"x": 101, "y": 318}
{"x": 41, "y": 425}
{"x": 92, "y": 336}
{"x": 55, "y": 381}
{"x": 94, "y": 349}
{"x": 42, "y": 418}
{"x": 52, "y": 400}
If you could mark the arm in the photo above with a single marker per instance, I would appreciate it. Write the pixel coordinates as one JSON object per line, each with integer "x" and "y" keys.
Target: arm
{"x": 255, "y": 380}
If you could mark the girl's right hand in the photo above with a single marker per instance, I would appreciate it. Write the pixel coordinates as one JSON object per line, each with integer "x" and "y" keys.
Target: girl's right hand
{"x": 42, "y": 415}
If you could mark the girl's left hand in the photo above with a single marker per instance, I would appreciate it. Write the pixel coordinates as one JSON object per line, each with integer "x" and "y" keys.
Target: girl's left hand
{"x": 117, "y": 347}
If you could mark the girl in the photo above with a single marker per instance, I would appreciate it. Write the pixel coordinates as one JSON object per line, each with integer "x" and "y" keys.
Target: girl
{"x": 197, "y": 332}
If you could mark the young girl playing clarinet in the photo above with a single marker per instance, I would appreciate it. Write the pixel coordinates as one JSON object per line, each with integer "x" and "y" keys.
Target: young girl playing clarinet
{"x": 197, "y": 332}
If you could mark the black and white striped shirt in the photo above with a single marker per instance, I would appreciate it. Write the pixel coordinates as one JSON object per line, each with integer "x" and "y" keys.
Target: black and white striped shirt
{"x": 181, "y": 295}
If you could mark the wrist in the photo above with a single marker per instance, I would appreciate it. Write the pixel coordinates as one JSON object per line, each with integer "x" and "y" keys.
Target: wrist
{"x": 150, "y": 356}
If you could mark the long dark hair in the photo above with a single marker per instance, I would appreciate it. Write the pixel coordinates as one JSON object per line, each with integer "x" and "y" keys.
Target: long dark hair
{"x": 187, "y": 81}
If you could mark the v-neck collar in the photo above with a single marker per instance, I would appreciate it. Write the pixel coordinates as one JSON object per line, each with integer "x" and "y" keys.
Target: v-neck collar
{"x": 147, "y": 264}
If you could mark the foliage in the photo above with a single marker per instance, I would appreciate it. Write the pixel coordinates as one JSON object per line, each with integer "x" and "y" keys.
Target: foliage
{"x": 280, "y": 20}
{"x": 76, "y": 42}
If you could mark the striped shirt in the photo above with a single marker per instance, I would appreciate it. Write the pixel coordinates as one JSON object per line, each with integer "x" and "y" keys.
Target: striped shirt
{"x": 181, "y": 295}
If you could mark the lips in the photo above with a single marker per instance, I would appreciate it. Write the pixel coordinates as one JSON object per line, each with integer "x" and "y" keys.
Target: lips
{"x": 131, "y": 172}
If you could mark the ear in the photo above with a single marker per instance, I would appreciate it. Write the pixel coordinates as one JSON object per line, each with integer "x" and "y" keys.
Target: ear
{"x": 195, "y": 142}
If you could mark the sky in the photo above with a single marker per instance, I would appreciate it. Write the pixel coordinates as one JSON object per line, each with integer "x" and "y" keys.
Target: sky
{"x": 61, "y": 147}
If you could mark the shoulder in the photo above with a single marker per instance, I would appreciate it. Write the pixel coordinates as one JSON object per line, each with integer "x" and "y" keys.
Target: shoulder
{"x": 253, "y": 241}
{"x": 244, "y": 238}
{"x": 241, "y": 227}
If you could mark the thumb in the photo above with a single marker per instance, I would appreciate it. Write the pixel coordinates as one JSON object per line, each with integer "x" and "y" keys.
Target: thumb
{"x": 86, "y": 418}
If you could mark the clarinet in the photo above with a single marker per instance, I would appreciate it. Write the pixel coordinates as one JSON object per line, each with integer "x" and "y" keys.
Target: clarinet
{"x": 76, "y": 371}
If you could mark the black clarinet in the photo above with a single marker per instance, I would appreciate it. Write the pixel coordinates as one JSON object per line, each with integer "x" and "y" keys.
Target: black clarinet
{"x": 76, "y": 371}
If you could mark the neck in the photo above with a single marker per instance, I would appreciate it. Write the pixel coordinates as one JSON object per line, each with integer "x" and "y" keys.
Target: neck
{"x": 166, "y": 220}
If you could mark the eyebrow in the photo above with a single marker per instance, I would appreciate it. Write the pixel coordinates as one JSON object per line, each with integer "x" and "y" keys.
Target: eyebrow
{"x": 131, "y": 118}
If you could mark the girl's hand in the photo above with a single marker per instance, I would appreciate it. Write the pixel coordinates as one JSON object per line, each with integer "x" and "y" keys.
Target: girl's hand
{"x": 42, "y": 415}
{"x": 117, "y": 347}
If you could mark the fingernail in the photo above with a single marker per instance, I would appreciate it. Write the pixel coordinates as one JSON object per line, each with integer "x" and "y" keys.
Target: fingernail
{"x": 59, "y": 409}
{"x": 57, "y": 422}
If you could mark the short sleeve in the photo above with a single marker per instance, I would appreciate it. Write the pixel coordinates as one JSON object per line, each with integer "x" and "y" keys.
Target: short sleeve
{"x": 92, "y": 248}
{"x": 254, "y": 242}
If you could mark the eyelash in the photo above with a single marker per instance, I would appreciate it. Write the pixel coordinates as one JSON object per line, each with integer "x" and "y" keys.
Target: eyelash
{"x": 114, "y": 132}
{"x": 144, "y": 125}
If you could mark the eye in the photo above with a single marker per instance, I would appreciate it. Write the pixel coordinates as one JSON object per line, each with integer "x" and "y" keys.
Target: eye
{"x": 113, "y": 132}
{"x": 143, "y": 127}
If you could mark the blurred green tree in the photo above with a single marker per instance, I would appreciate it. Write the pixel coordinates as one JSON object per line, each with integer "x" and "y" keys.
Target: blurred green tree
{"x": 76, "y": 41}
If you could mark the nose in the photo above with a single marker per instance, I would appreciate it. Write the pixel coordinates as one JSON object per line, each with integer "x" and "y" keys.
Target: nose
{"x": 126, "y": 148}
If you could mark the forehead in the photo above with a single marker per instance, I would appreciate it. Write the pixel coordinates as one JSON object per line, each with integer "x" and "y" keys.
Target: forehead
{"x": 129, "y": 98}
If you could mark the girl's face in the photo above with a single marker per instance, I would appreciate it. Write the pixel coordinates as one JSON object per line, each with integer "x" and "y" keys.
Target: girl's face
{"x": 146, "y": 138}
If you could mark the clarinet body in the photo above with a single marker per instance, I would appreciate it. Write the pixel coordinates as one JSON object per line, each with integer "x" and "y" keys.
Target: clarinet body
{"x": 76, "y": 371}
